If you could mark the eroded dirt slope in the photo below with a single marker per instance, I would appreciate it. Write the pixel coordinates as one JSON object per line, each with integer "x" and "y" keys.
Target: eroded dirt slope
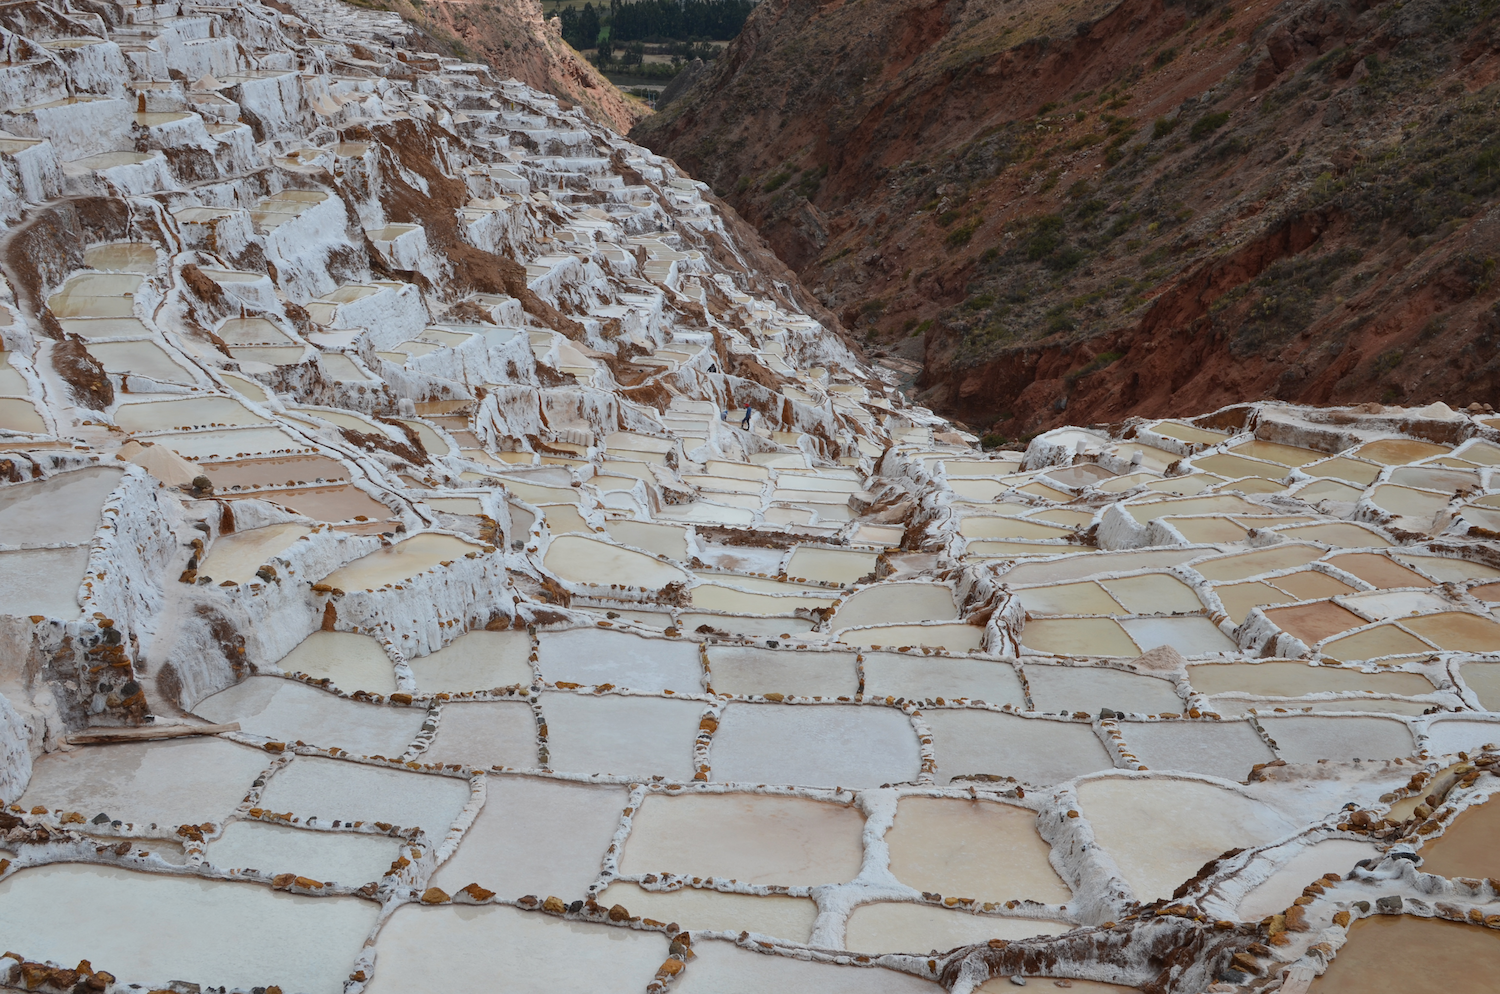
{"x": 1081, "y": 211}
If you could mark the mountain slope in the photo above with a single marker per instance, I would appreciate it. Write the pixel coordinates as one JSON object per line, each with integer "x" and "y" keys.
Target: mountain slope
{"x": 1106, "y": 208}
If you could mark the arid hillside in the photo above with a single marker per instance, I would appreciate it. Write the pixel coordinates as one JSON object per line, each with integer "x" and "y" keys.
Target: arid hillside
{"x": 1075, "y": 212}
{"x": 514, "y": 38}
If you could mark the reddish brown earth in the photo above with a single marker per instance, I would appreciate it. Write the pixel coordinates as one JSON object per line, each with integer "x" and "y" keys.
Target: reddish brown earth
{"x": 1073, "y": 212}
{"x": 513, "y": 37}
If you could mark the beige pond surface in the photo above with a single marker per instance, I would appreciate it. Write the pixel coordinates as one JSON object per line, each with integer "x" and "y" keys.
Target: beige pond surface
{"x": 1312, "y": 623}
{"x": 1449, "y": 569}
{"x": 1160, "y": 831}
{"x": 789, "y": 918}
{"x": 1034, "y": 751}
{"x": 1095, "y": 564}
{"x": 140, "y": 359}
{"x": 595, "y": 656}
{"x": 913, "y": 675}
{"x": 70, "y": 912}
{"x": 400, "y": 561}
{"x": 754, "y": 670}
{"x": 1377, "y": 570}
{"x": 1467, "y": 846}
{"x": 1079, "y": 637}
{"x": 920, "y": 928}
{"x": 1484, "y": 680}
{"x": 954, "y": 637}
{"x": 42, "y": 581}
{"x": 752, "y": 838}
{"x": 64, "y": 508}
{"x": 662, "y": 539}
{"x": 336, "y": 789}
{"x": 1277, "y": 893}
{"x": 236, "y": 557}
{"x": 1244, "y": 565}
{"x": 1397, "y": 451}
{"x": 344, "y": 503}
{"x": 1404, "y": 953}
{"x": 466, "y": 948}
{"x": 231, "y": 443}
{"x": 1153, "y": 593}
{"x": 1373, "y": 643}
{"x": 198, "y": 412}
{"x": 1085, "y": 597}
{"x": 17, "y": 414}
{"x": 979, "y": 849}
{"x": 722, "y": 968}
{"x": 477, "y": 660}
{"x": 288, "y": 711}
{"x": 1089, "y": 688}
{"x": 1457, "y": 630}
{"x": 1239, "y": 599}
{"x": 994, "y": 526}
{"x": 274, "y": 471}
{"x": 1286, "y": 455}
{"x": 342, "y": 857}
{"x": 814, "y": 746}
{"x": 352, "y": 661}
{"x": 581, "y": 559}
{"x": 542, "y": 837}
{"x": 1225, "y": 749}
{"x": 480, "y": 734}
{"x": 840, "y": 566}
{"x": 168, "y": 783}
{"x": 626, "y": 735}
{"x": 889, "y": 603}
{"x": 1311, "y": 584}
{"x": 1288, "y": 679}
{"x": 1307, "y": 739}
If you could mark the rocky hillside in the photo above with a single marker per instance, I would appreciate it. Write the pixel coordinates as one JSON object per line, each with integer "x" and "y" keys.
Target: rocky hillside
{"x": 516, "y": 41}
{"x": 1071, "y": 211}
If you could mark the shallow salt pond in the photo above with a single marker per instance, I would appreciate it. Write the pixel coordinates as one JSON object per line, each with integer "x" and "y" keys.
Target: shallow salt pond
{"x": 1153, "y": 593}
{"x": 1312, "y": 623}
{"x": 754, "y": 670}
{"x": 662, "y": 539}
{"x": 236, "y": 557}
{"x": 723, "y": 968}
{"x": 1239, "y": 599}
{"x": 1457, "y": 630}
{"x": 1191, "y": 636}
{"x": 467, "y": 948}
{"x": 979, "y": 849}
{"x": 955, "y": 636}
{"x": 1310, "y": 584}
{"x": 580, "y": 559}
{"x": 1088, "y": 565}
{"x": 1033, "y": 751}
{"x": 751, "y": 838}
{"x": 477, "y": 660}
{"x": 1089, "y": 688}
{"x": 887, "y": 603}
{"x": 1451, "y": 735}
{"x": 1161, "y": 831}
{"x": 328, "y": 503}
{"x": 1467, "y": 847}
{"x": 230, "y": 443}
{"x": 480, "y": 734}
{"x": 1287, "y": 679}
{"x": 1225, "y": 749}
{"x": 1243, "y": 565}
{"x": 274, "y": 471}
{"x": 196, "y": 412}
{"x": 1338, "y": 534}
{"x": 1308, "y": 738}
{"x": 750, "y": 626}
{"x": 351, "y": 661}
{"x": 841, "y": 566}
{"x": 288, "y": 711}
{"x": 346, "y": 858}
{"x": 64, "y": 508}
{"x": 1086, "y": 597}
{"x": 1276, "y": 893}
{"x": 920, "y": 928}
{"x": 700, "y": 909}
{"x": 140, "y": 359}
{"x": 1079, "y": 637}
{"x": 918, "y": 676}
{"x": 123, "y": 921}
{"x": 337, "y": 789}
{"x": 1484, "y": 680}
{"x": 400, "y": 561}
{"x": 814, "y": 746}
{"x": 541, "y": 837}
{"x": 1398, "y": 451}
{"x": 1405, "y": 953}
{"x": 593, "y": 656}
{"x": 174, "y": 782}
{"x": 630, "y": 736}
{"x": 1447, "y": 569}
{"x": 1373, "y": 643}
{"x": 994, "y": 526}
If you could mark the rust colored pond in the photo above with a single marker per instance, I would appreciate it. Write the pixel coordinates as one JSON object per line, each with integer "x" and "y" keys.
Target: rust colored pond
{"x": 1468, "y": 848}
{"x": 1402, "y": 953}
{"x": 328, "y": 503}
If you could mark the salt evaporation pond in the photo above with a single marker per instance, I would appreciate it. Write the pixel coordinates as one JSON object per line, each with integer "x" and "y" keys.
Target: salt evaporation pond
{"x": 63, "y": 509}
{"x": 1403, "y": 953}
{"x": 587, "y": 560}
{"x": 978, "y": 849}
{"x": 343, "y": 857}
{"x": 920, "y": 928}
{"x": 236, "y": 558}
{"x": 478, "y": 660}
{"x": 400, "y": 561}
{"x": 781, "y": 917}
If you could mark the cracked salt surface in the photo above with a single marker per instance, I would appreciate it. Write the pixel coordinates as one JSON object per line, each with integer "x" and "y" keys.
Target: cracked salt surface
{"x": 544, "y": 671}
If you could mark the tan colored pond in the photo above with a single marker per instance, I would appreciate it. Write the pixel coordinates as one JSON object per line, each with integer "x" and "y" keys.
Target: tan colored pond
{"x": 1339, "y": 534}
{"x": 64, "y": 508}
{"x": 1457, "y": 630}
{"x": 1310, "y": 584}
{"x": 1404, "y": 953}
{"x": 1079, "y": 637}
{"x": 1243, "y": 565}
{"x": 1342, "y": 468}
{"x": 1467, "y": 847}
{"x": 400, "y": 561}
{"x": 979, "y": 849}
{"x": 841, "y": 566}
{"x": 352, "y": 661}
{"x": 582, "y": 559}
{"x": 1289, "y": 679}
{"x": 954, "y": 636}
{"x": 886, "y": 603}
{"x": 274, "y": 471}
{"x": 1398, "y": 451}
{"x": 345, "y": 503}
{"x": 920, "y": 928}
{"x": 1239, "y": 599}
{"x": 235, "y": 558}
{"x": 1286, "y": 455}
{"x": 1312, "y": 623}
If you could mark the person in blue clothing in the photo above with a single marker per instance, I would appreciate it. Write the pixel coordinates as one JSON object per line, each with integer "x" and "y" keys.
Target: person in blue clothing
{"x": 745, "y": 424}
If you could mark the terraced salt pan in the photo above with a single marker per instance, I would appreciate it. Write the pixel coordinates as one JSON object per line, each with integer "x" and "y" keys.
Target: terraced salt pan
{"x": 64, "y": 508}
{"x": 1190, "y": 636}
{"x": 593, "y": 656}
{"x": 477, "y": 660}
{"x": 346, "y": 503}
{"x": 1450, "y": 735}
{"x": 140, "y": 359}
{"x": 231, "y": 443}
{"x": 1406, "y": 953}
{"x": 1153, "y": 593}
{"x": 954, "y": 636}
{"x": 814, "y": 746}
{"x": 1089, "y": 688}
{"x": 197, "y": 412}
{"x": 580, "y": 559}
{"x": 749, "y": 626}
{"x": 339, "y": 857}
{"x": 351, "y": 661}
{"x": 630, "y": 736}
{"x": 920, "y": 928}
{"x": 1467, "y": 846}
{"x": 1457, "y": 630}
{"x": 1446, "y": 569}
{"x": 1312, "y": 623}
{"x": 789, "y": 918}
{"x": 888, "y": 603}
{"x": 68, "y": 912}
{"x": 995, "y": 526}
{"x": 1079, "y": 637}
{"x": 20, "y": 415}
{"x": 1484, "y": 680}
{"x": 717, "y": 597}
{"x": 235, "y": 558}
{"x": 917, "y": 676}
{"x": 722, "y": 968}
{"x": 1032, "y": 751}
{"x": 841, "y": 566}
{"x": 400, "y": 561}
{"x": 1277, "y": 893}
{"x": 753, "y": 670}
{"x": 1307, "y": 739}
{"x": 1308, "y": 584}
{"x": 1398, "y": 451}
{"x": 1239, "y": 599}
{"x": 980, "y": 849}
{"x": 1243, "y": 565}
{"x": 467, "y": 948}
{"x": 662, "y": 539}
{"x": 1083, "y": 567}
{"x": 1225, "y": 749}
{"x": 481, "y": 734}
{"x": 337, "y": 789}
{"x": 175, "y": 782}
{"x": 541, "y": 837}
{"x": 752, "y": 838}
{"x": 274, "y": 471}
{"x": 288, "y": 711}
{"x": 1374, "y": 643}
{"x": 1160, "y": 831}
{"x": 1286, "y": 679}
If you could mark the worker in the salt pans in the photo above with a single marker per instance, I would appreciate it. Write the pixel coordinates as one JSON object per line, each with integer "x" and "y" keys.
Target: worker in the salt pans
{"x": 745, "y": 424}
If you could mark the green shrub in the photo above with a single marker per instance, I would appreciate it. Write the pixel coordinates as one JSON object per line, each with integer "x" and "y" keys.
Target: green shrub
{"x": 1162, "y": 127}
{"x": 776, "y": 182}
{"x": 1208, "y": 124}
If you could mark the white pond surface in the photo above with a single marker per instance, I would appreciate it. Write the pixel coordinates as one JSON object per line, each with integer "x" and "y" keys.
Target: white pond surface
{"x": 592, "y": 656}
{"x": 478, "y": 660}
{"x": 335, "y": 789}
{"x": 62, "y": 509}
{"x": 814, "y": 746}
{"x": 352, "y": 661}
{"x": 288, "y": 711}
{"x": 341, "y": 857}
